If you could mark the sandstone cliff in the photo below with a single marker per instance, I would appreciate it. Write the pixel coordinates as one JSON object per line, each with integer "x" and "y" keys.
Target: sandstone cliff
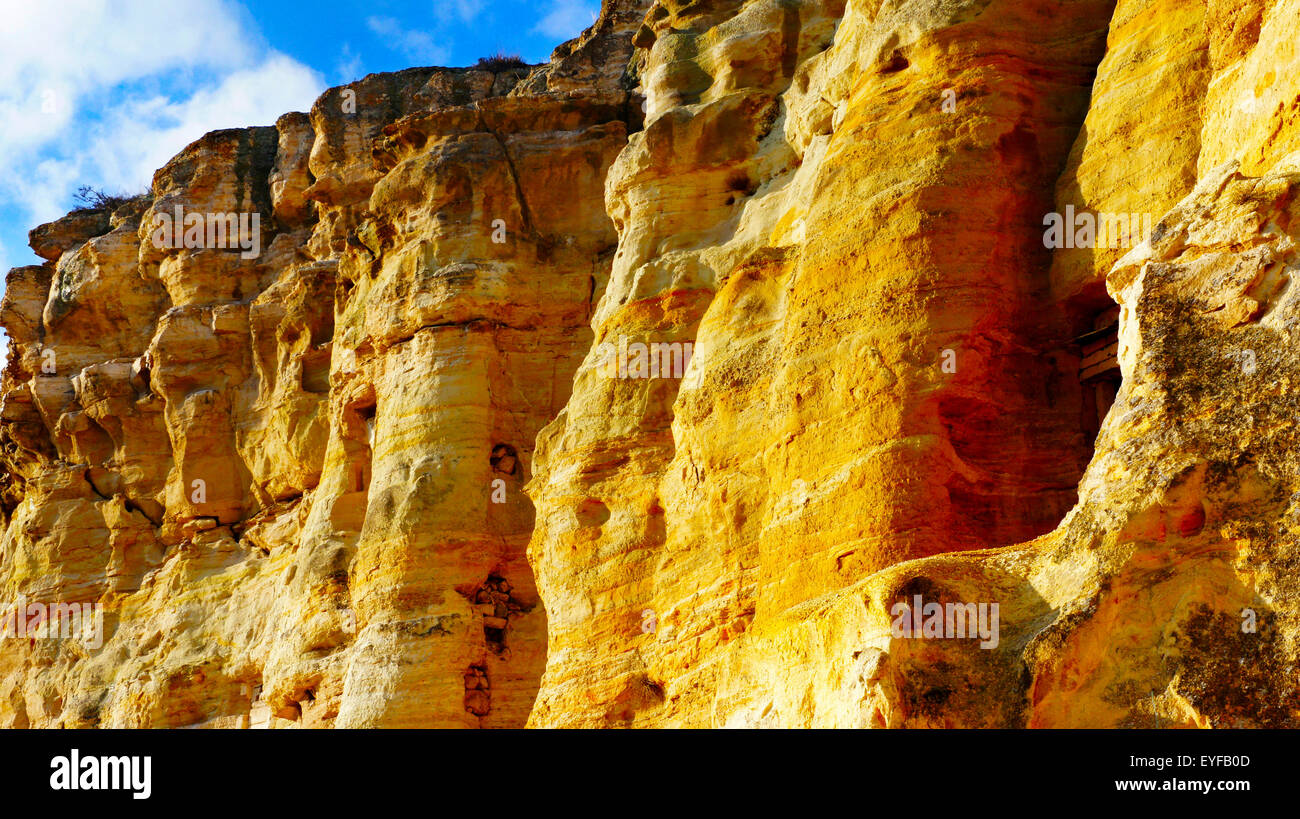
{"x": 395, "y": 469}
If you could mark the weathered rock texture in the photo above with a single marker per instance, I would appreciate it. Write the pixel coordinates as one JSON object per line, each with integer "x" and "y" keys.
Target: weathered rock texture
{"x": 841, "y": 207}
{"x": 353, "y": 401}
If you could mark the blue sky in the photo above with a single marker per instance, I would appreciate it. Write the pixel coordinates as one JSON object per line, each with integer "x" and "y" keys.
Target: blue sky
{"x": 103, "y": 92}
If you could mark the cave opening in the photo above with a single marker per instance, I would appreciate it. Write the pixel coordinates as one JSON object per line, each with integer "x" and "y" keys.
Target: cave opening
{"x": 1099, "y": 373}
{"x": 359, "y": 438}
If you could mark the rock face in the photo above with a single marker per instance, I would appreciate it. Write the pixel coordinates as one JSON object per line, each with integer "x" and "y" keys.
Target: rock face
{"x": 655, "y": 386}
{"x": 293, "y": 479}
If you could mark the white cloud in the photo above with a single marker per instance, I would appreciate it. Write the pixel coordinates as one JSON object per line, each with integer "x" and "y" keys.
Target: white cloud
{"x": 466, "y": 11}
{"x": 153, "y": 130}
{"x": 96, "y": 42}
{"x": 349, "y": 65}
{"x": 567, "y": 19}
{"x": 105, "y": 93}
{"x": 418, "y": 45}
{"x": 60, "y": 58}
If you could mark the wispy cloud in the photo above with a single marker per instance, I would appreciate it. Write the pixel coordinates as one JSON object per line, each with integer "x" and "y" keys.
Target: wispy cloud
{"x": 465, "y": 11}
{"x": 349, "y": 65}
{"x": 418, "y": 45}
{"x": 566, "y": 19}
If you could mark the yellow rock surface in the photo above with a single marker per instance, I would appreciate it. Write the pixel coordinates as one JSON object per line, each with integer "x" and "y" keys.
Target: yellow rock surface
{"x": 727, "y": 549}
{"x": 358, "y": 403}
{"x": 436, "y": 488}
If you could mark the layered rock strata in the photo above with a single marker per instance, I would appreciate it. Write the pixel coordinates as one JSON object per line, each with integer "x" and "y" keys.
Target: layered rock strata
{"x": 886, "y": 375}
{"x": 292, "y": 478}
